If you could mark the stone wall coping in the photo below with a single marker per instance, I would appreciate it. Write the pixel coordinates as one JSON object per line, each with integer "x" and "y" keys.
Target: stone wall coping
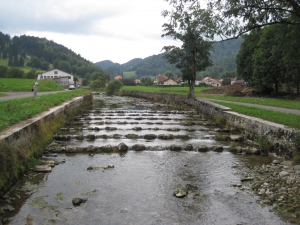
{"x": 21, "y": 125}
{"x": 221, "y": 107}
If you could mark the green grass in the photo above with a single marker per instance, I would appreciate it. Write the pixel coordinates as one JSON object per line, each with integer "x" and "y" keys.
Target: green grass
{"x": 162, "y": 89}
{"x": 284, "y": 103}
{"x": 14, "y": 111}
{"x": 287, "y": 119}
{"x": 129, "y": 75}
{"x": 17, "y": 85}
{"x": 4, "y": 62}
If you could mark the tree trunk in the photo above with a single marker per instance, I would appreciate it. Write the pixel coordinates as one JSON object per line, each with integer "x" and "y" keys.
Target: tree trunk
{"x": 192, "y": 89}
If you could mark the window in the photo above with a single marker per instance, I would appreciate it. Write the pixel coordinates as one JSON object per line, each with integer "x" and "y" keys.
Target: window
{"x": 55, "y": 72}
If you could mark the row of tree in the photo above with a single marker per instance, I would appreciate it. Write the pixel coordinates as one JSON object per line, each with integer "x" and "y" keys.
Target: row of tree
{"x": 270, "y": 64}
{"x": 269, "y": 58}
{"x": 14, "y": 72}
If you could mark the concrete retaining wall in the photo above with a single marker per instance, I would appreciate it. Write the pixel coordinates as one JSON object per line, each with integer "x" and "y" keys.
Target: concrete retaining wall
{"x": 280, "y": 138}
{"x": 28, "y": 139}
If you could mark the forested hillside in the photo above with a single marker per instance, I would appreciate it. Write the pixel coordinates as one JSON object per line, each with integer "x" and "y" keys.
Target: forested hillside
{"x": 223, "y": 56}
{"x": 40, "y": 53}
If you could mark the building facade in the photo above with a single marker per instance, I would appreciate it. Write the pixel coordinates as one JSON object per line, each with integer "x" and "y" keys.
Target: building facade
{"x": 60, "y": 77}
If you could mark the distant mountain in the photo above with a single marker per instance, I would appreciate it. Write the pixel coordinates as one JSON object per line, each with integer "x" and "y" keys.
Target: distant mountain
{"x": 223, "y": 56}
{"x": 131, "y": 64}
{"x": 106, "y": 64}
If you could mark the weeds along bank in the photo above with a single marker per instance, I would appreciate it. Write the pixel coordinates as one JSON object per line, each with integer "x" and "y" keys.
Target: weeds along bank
{"x": 267, "y": 136}
{"x": 22, "y": 142}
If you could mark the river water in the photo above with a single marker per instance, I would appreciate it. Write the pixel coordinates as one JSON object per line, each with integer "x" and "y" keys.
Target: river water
{"x": 139, "y": 188}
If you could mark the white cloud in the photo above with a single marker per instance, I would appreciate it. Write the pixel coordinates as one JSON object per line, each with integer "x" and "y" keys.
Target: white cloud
{"x": 116, "y": 30}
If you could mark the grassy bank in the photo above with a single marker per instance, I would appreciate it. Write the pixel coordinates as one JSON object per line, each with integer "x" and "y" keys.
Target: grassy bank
{"x": 290, "y": 120}
{"x": 283, "y": 103}
{"x": 287, "y": 119}
{"x": 162, "y": 89}
{"x": 14, "y": 111}
{"x": 18, "y": 85}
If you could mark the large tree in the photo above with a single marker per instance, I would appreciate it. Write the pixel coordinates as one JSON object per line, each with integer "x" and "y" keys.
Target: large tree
{"x": 192, "y": 55}
{"x": 236, "y": 17}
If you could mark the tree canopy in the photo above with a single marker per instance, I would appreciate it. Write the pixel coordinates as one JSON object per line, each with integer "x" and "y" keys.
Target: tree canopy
{"x": 236, "y": 17}
{"x": 193, "y": 54}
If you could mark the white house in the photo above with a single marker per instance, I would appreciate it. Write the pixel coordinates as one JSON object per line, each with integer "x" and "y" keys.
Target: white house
{"x": 58, "y": 76}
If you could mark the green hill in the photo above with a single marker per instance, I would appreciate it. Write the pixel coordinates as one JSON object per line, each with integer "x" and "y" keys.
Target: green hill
{"x": 27, "y": 53}
{"x": 223, "y": 56}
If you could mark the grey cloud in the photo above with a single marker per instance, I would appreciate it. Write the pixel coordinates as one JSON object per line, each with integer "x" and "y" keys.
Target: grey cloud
{"x": 17, "y": 20}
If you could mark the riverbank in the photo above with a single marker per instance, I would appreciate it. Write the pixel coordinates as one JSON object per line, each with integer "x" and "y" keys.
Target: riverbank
{"x": 27, "y": 139}
{"x": 269, "y": 137}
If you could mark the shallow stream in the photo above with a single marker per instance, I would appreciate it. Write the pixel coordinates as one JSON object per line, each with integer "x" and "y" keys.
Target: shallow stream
{"x": 139, "y": 187}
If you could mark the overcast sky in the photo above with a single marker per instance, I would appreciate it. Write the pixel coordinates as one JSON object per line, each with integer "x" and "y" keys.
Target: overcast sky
{"x": 116, "y": 30}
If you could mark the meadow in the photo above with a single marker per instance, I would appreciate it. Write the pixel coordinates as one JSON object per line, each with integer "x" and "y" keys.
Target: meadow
{"x": 19, "y": 85}
{"x": 14, "y": 111}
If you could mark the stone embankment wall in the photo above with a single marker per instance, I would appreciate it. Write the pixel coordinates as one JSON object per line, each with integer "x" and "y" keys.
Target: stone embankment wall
{"x": 280, "y": 138}
{"x": 29, "y": 138}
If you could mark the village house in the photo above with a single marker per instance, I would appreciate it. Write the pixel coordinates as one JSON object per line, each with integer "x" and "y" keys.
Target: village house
{"x": 237, "y": 81}
{"x": 160, "y": 79}
{"x": 58, "y": 76}
{"x": 217, "y": 83}
{"x": 137, "y": 81}
{"x": 198, "y": 81}
{"x": 118, "y": 77}
{"x": 208, "y": 81}
{"x": 170, "y": 81}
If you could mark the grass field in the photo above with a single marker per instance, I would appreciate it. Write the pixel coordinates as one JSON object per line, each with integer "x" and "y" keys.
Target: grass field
{"x": 286, "y": 119}
{"x": 15, "y": 84}
{"x": 129, "y": 75}
{"x": 284, "y": 103}
{"x": 4, "y": 62}
{"x": 162, "y": 89}
{"x": 14, "y": 111}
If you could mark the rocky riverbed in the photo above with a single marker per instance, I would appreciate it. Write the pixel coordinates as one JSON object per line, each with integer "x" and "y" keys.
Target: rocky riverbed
{"x": 277, "y": 184}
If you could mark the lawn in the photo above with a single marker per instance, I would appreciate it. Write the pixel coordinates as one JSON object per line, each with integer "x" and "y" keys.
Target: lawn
{"x": 129, "y": 75}
{"x": 14, "y": 111}
{"x": 284, "y": 103}
{"x": 287, "y": 119}
{"x": 162, "y": 89}
{"x": 18, "y": 85}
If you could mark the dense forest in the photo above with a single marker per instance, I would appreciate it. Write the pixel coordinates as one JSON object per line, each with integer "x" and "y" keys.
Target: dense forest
{"x": 269, "y": 59}
{"x": 223, "y": 55}
{"x": 42, "y": 54}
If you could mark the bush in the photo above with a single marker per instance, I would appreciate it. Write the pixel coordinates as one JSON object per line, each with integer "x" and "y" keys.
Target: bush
{"x": 113, "y": 87}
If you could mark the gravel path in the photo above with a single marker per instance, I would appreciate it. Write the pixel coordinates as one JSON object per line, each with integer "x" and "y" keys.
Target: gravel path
{"x": 278, "y": 109}
{"x": 16, "y": 95}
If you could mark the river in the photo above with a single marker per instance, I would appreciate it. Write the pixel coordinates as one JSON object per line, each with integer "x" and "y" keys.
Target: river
{"x": 137, "y": 187}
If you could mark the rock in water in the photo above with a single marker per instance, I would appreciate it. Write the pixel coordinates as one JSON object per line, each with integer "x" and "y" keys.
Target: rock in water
{"x": 180, "y": 192}
{"x": 78, "y": 201}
